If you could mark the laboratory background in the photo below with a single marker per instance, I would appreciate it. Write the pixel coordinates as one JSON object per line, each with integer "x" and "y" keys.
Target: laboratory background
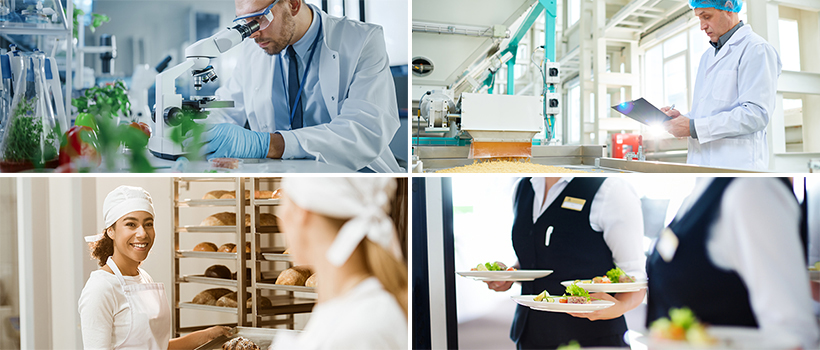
{"x": 106, "y": 57}
{"x": 46, "y": 260}
{"x": 552, "y": 82}
{"x": 461, "y": 222}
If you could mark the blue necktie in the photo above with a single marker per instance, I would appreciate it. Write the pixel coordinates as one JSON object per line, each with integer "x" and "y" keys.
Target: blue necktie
{"x": 293, "y": 90}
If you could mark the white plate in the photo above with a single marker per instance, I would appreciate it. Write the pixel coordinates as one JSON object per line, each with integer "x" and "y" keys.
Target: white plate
{"x": 527, "y": 300}
{"x": 608, "y": 287}
{"x": 729, "y": 338}
{"x": 518, "y": 275}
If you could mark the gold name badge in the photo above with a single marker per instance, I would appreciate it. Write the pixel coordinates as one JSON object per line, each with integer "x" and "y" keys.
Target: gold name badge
{"x": 667, "y": 244}
{"x": 572, "y": 203}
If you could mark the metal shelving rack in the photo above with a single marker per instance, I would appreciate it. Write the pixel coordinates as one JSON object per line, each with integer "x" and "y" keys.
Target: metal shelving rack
{"x": 47, "y": 29}
{"x": 285, "y": 304}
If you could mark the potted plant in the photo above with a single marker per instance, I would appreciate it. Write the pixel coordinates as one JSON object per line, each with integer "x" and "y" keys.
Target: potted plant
{"x": 28, "y": 144}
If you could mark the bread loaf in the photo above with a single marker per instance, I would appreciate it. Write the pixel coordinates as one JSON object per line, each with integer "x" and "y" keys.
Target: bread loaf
{"x": 210, "y": 296}
{"x": 219, "y": 194}
{"x": 262, "y": 302}
{"x": 247, "y": 247}
{"x": 294, "y": 276}
{"x": 229, "y": 219}
{"x": 240, "y": 343}
{"x": 227, "y": 300}
{"x": 205, "y": 247}
{"x": 311, "y": 281}
{"x": 227, "y": 248}
{"x": 218, "y": 271}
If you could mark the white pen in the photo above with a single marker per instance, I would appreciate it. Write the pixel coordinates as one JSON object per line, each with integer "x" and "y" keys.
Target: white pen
{"x": 672, "y": 107}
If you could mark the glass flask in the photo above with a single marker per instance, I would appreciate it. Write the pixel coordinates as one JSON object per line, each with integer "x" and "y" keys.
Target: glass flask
{"x": 31, "y": 137}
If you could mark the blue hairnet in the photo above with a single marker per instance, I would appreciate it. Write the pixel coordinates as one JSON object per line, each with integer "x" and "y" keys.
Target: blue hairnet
{"x": 725, "y": 5}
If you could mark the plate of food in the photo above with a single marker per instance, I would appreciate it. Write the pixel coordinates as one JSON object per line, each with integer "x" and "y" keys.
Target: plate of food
{"x": 497, "y": 271}
{"x": 814, "y": 272}
{"x": 615, "y": 281}
{"x": 575, "y": 300}
{"x": 682, "y": 330}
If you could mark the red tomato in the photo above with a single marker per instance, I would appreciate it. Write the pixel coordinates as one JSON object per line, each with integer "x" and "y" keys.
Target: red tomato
{"x": 80, "y": 143}
{"x": 142, "y": 126}
{"x": 510, "y": 269}
{"x": 563, "y": 300}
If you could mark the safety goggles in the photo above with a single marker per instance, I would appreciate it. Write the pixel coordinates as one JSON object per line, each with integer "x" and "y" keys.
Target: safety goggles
{"x": 263, "y": 17}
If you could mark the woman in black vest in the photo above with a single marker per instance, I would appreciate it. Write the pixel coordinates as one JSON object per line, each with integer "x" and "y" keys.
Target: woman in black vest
{"x": 733, "y": 255}
{"x": 579, "y": 228}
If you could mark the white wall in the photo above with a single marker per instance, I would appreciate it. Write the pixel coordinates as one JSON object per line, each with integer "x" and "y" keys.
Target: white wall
{"x": 394, "y": 16}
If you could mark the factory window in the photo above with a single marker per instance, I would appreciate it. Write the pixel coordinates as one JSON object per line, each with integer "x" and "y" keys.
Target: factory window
{"x": 666, "y": 80}
{"x": 789, "y": 45}
{"x": 574, "y": 116}
{"x": 573, "y": 12}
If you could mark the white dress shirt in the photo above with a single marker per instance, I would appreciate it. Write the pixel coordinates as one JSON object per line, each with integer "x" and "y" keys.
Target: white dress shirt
{"x": 313, "y": 107}
{"x": 748, "y": 237}
{"x": 615, "y": 210}
{"x": 105, "y": 315}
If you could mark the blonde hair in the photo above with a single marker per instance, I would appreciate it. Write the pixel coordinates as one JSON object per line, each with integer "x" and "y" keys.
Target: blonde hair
{"x": 391, "y": 272}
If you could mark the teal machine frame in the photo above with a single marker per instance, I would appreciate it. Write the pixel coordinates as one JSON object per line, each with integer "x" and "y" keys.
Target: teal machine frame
{"x": 549, "y": 7}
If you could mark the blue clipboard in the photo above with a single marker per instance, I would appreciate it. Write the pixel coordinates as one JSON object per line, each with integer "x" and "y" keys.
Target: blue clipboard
{"x": 642, "y": 111}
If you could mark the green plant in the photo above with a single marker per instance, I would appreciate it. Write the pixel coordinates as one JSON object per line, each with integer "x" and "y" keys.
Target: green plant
{"x": 96, "y": 21}
{"x": 104, "y": 104}
{"x": 24, "y": 139}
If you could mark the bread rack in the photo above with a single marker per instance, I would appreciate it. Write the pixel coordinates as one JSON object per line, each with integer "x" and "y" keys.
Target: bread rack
{"x": 287, "y": 300}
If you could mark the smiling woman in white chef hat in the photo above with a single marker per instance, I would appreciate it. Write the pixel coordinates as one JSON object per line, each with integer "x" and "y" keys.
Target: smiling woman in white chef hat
{"x": 121, "y": 307}
{"x": 340, "y": 227}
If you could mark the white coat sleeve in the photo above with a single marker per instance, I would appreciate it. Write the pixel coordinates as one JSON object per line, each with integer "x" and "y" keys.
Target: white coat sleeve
{"x": 367, "y": 120}
{"x": 757, "y": 236}
{"x": 756, "y": 86}
{"x": 231, "y": 91}
{"x": 616, "y": 210}
{"x": 97, "y": 306}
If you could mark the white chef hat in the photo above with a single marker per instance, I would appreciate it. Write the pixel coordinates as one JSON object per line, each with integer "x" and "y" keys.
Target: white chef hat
{"x": 121, "y": 201}
{"x": 364, "y": 201}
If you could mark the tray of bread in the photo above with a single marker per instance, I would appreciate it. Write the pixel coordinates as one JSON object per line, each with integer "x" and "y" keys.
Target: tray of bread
{"x": 224, "y": 300}
{"x": 245, "y": 338}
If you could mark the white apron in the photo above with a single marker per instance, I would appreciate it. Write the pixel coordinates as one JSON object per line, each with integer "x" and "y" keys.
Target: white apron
{"x": 150, "y": 314}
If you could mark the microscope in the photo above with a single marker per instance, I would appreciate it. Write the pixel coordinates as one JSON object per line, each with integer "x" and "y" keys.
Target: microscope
{"x": 169, "y": 105}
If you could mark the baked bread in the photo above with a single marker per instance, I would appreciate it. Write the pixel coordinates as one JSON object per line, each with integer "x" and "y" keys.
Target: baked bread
{"x": 287, "y": 251}
{"x": 210, "y": 296}
{"x": 227, "y": 300}
{"x": 227, "y": 248}
{"x": 294, "y": 276}
{"x": 311, "y": 281}
{"x": 205, "y": 247}
{"x": 218, "y": 271}
{"x": 240, "y": 343}
{"x": 262, "y": 302}
{"x": 247, "y": 247}
{"x": 229, "y": 219}
{"x": 276, "y": 194}
{"x": 219, "y": 194}
{"x": 220, "y": 219}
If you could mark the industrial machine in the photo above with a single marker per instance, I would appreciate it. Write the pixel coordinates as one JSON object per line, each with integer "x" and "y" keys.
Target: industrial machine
{"x": 455, "y": 69}
{"x": 169, "y": 104}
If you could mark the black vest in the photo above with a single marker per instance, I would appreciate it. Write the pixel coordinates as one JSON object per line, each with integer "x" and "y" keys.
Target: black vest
{"x": 576, "y": 251}
{"x": 690, "y": 279}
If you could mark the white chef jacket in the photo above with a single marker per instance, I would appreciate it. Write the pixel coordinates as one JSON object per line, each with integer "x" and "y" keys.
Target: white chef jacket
{"x": 105, "y": 315}
{"x": 748, "y": 237}
{"x": 366, "y": 317}
{"x": 354, "y": 86}
{"x": 734, "y": 98}
{"x": 615, "y": 210}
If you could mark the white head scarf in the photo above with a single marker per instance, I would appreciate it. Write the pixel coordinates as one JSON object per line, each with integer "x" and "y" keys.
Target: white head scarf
{"x": 121, "y": 201}
{"x": 364, "y": 201}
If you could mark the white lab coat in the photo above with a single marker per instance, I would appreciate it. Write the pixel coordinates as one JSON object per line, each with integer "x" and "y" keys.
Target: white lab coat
{"x": 357, "y": 88}
{"x": 734, "y": 98}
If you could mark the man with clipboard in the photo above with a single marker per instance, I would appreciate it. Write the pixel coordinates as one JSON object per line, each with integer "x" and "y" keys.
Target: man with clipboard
{"x": 734, "y": 94}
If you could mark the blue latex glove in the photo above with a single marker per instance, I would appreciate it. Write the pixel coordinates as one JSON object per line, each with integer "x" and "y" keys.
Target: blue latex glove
{"x": 233, "y": 141}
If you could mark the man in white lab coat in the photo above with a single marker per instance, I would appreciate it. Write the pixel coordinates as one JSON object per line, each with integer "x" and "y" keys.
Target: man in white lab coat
{"x": 309, "y": 86}
{"x": 734, "y": 93}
